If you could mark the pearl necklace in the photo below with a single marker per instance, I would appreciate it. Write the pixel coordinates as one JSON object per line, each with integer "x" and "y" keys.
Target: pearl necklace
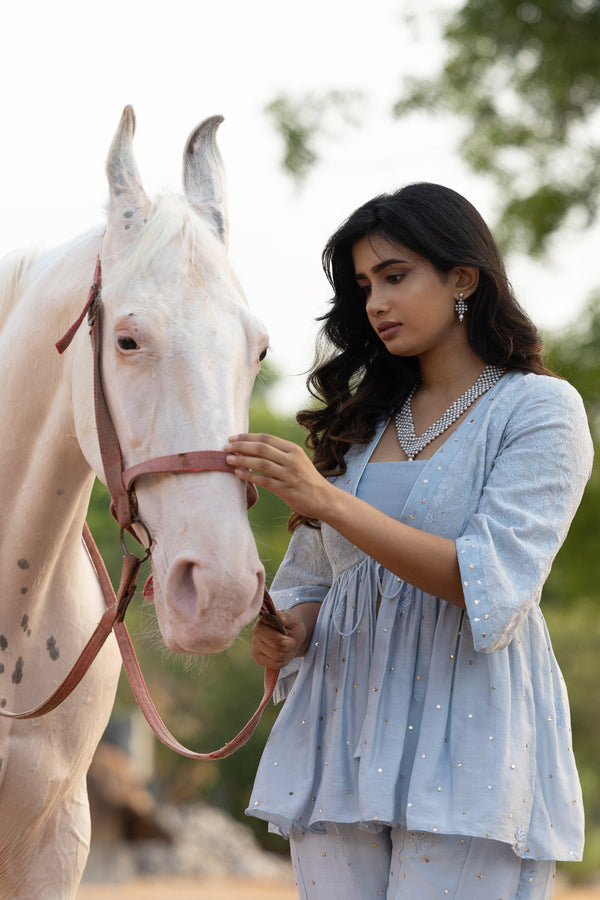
{"x": 405, "y": 426}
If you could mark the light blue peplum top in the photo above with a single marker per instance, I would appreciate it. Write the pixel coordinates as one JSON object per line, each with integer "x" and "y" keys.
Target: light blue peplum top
{"x": 410, "y": 711}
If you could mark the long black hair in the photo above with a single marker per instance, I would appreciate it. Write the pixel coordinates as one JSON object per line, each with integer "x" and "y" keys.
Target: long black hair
{"x": 354, "y": 378}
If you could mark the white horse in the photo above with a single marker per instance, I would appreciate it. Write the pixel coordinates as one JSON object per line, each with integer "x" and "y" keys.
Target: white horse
{"x": 180, "y": 352}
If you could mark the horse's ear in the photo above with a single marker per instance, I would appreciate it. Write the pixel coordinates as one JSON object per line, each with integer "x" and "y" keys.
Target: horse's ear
{"x": 204, "y": 175}
{"x": 129, "y": 205}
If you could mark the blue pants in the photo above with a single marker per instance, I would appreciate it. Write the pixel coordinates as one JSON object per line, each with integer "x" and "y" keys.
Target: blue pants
{"x": 348, "y": 863}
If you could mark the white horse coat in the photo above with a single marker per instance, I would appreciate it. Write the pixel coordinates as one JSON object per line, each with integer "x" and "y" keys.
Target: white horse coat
{"x": 180, "y": 353}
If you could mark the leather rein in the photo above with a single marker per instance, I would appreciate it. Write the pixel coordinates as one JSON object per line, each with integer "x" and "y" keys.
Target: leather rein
{"x": 121, "y": 484}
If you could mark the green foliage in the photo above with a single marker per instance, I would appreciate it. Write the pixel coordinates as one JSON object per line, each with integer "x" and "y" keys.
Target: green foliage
{"x": 525, "y": 78}
{"x": 575, "y": 633}
{"x": 574, "y": 355}
{"x": 301, "y": 123}
{"x": 105, "y": 531}
{"x": 572, "y": 593}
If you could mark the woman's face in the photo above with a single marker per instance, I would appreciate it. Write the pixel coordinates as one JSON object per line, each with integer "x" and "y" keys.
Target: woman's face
{"x": 409, "y": 304}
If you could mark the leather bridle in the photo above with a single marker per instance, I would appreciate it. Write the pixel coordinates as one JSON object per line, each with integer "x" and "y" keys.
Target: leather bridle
{"x": 121, "y": 484}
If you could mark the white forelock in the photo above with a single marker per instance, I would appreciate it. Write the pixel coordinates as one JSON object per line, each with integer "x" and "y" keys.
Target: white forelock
{"x": 173, "y": 219}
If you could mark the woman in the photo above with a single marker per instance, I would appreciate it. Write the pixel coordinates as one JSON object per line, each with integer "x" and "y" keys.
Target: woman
{"x": 424, "y": 749}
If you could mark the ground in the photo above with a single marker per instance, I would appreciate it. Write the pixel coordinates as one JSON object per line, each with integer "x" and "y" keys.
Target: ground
{"x": 231, "y": 888}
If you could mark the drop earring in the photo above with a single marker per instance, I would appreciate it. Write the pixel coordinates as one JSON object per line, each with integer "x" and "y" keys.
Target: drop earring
{"x": 461, "y": 307}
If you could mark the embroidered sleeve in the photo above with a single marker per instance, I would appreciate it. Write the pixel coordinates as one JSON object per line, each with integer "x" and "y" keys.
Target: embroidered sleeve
{"x": 525, "y": 510}
{"x": 305, "y": 573}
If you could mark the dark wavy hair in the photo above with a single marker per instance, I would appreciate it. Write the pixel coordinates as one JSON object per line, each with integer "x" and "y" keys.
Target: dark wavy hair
{"x": 355, "y": 380}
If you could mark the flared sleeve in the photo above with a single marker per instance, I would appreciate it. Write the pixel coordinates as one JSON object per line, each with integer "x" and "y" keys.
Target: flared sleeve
{"x": 305, "y": 574}
{"x": 530, "y": 497}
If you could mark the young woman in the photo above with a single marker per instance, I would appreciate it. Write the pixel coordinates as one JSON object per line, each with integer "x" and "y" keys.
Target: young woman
{"x": 424, "y": 749}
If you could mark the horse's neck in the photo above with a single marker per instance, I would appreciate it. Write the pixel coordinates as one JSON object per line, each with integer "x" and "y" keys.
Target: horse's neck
{"x": 44, "y": 479}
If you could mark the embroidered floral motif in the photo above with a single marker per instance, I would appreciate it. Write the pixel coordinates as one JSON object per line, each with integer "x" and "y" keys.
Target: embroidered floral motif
{"x": 559, "y": 706}
{"x": 421, "y": 840}
{"x": 520, "y": 840}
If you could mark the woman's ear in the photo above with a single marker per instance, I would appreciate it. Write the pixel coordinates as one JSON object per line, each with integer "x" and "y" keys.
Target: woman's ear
{"x": 466, "y": 279}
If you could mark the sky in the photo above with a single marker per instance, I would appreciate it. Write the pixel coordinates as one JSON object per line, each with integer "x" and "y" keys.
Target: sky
{"x": 68, "y": 67}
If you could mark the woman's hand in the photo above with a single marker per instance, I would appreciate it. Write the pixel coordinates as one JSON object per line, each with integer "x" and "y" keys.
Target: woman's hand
{"x": 274, "y": 650}
{"x": 281, "y": 467}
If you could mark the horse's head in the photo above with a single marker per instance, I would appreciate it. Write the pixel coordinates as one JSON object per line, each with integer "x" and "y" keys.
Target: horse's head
{"x": 180, "y": 352}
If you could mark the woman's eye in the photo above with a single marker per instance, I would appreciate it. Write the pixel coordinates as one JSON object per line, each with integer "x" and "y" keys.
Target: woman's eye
{"x": 126, "y": 343}
{"x": 396, "y": 277}
{"x": 262, "y": 355}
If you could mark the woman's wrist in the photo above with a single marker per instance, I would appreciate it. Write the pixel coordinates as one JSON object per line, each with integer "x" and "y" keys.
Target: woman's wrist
{"x": 308, "y": 613}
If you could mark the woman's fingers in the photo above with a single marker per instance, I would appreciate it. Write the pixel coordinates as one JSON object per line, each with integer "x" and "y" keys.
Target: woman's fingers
{"x": 253, "y": 456}
{"x": 271, "y": 649}
{"x": 279, "y": 466}
{"x": 263, "y": 452}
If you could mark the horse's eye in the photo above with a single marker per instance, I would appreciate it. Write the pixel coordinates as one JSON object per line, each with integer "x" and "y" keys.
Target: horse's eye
{"x": 126, "y": 343}
{"x": 262, "y": 355}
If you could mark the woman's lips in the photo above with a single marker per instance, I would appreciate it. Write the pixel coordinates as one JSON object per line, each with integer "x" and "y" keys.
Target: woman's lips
{"x": 387, "y": 330}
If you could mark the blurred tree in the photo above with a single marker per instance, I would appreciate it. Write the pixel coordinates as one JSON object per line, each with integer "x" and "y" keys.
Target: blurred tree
{"x": 300, "y": 124}
{"x": 574, "y": 355}
{"x": 575, "y": 631}
{"x": 524, "y": 79}
{"x": 571, "y": 594}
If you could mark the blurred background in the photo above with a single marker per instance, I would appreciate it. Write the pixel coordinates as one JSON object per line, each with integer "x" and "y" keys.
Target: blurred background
{"x": 327, "y": 103}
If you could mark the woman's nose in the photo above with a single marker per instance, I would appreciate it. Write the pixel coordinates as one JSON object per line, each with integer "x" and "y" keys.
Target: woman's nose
{"x": 376, "y": 302}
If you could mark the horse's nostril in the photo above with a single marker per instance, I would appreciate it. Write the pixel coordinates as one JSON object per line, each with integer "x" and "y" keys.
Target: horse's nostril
{"x": 186, "y": 589}
{"x": 193, "y": 588}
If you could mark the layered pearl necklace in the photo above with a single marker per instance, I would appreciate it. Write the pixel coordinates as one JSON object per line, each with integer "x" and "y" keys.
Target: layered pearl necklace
{"x": 405, "y": 426}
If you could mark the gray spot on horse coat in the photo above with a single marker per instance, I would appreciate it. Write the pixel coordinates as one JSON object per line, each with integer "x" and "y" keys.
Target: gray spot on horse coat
{"x": 24, "y": 590}
{"x": 22, "y": 564}
{"x": 1, "y": 761}
{"x": 52, "y": 648}
{"x": 25, "y": 622}
{"x": 60, "y": 492}
{"x": 3, "y": 642}
{"x": 1, "y": 668}
{"x": 129, "y": 214}
{"x": 3, "y": 702}
{"x": 17, "y": 675}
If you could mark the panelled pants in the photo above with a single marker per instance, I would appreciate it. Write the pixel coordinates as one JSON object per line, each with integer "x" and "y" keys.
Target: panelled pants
{"x": 348, "y": 863}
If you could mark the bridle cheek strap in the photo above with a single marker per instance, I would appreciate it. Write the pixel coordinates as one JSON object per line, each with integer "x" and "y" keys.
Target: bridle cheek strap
{"x": 120, "y": 481}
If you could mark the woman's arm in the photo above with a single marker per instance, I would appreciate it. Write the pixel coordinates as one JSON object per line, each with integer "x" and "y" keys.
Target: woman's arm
{"x": 426, "y": 561}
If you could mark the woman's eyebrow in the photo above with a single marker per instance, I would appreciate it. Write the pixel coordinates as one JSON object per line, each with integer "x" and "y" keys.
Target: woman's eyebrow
{"x": 380, "y": 266}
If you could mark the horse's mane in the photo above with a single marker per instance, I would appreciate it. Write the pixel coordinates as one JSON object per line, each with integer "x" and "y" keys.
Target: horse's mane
{"x": 172, "y": 218}
{"x": 12, "y": 269}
